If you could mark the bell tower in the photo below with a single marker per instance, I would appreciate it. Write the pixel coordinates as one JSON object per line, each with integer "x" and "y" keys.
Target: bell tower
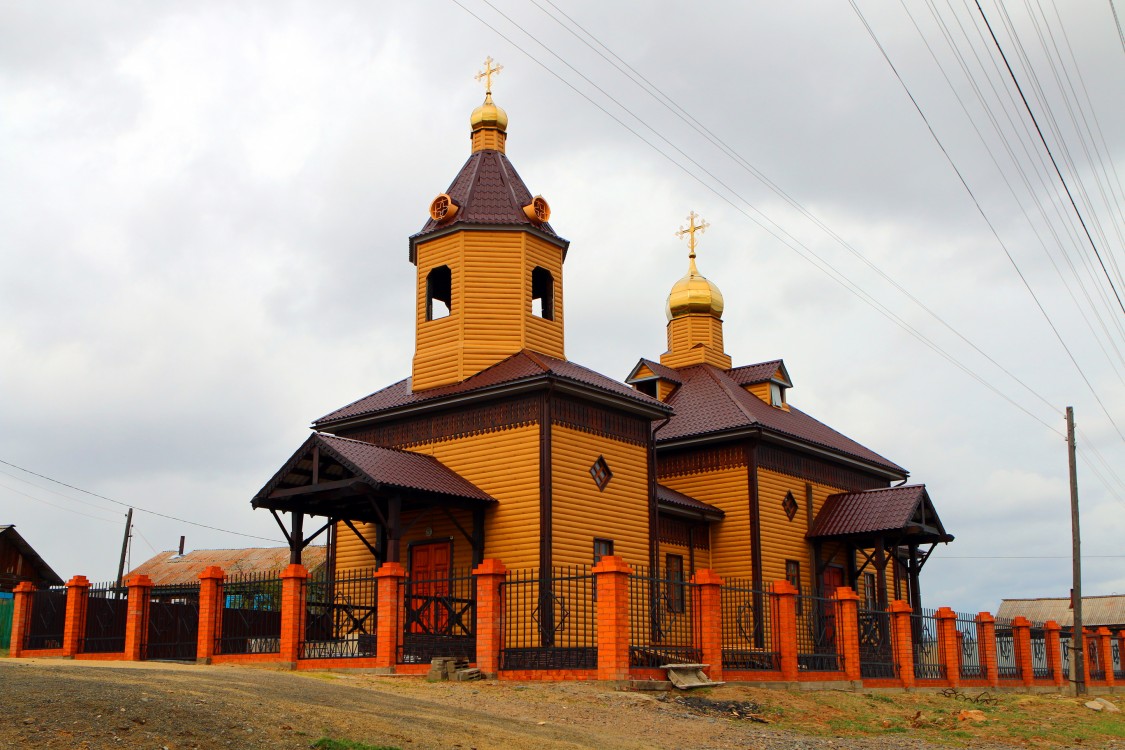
{"x": 695, "y": 313}
{"x": 489, "y": 281}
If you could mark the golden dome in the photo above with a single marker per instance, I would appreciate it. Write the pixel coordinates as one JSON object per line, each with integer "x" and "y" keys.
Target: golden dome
{"x": 694, "y": 294}
{"x": 489, "y": 115}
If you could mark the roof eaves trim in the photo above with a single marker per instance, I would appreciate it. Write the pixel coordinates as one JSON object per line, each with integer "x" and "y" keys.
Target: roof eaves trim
{"x": 467, "y": 227}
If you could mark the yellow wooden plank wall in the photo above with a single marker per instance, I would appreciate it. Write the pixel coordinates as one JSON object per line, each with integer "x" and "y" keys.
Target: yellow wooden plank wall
{"x": 494, "y": 296}
{"x": 505, "y": 464}
{"x": 702, "y": 556}
{"x": 728, "y": 489}
{"x": 350, "y": 551}
{"x": 543, "y": 335}
{"x": 761, "y": 390}
{"x": 437, "y": 350}
{"x": 580, "y": 512}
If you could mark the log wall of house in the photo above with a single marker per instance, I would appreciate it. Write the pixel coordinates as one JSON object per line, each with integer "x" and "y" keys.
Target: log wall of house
{"x": 727, "y": 488}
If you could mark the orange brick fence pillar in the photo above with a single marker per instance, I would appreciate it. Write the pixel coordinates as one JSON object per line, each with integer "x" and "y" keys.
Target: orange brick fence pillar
{"x": 709, "y": 592}
{"x": 1021, "y": 641}
{"x": 1105, "y": 653}
{"x": 21, "y": 613}
{"x": 785, "y": 628}
{"x": 292, "y": 613}
{"x": 490, "y": 627}
{"x": 136, "y": 619}
{"x": 949, "y": 644}
{"x": 389, "y": 579}
{"x": 611, "y": 579}
{"x": 847, "y": 631}
{"x": 74, "y": 624}
{"x": 903, "y": 641}
{"x": 986, "y": 635}
{"x": 210, "y": 612}
{"x": 1054, "y": 652}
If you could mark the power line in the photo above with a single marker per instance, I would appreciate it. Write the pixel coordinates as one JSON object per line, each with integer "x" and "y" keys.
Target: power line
{"x": 1117, "y": 21}
{"x": 54, "y": 505}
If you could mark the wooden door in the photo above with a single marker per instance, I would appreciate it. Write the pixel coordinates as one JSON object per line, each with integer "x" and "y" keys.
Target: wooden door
{"x": 430, "y": 570}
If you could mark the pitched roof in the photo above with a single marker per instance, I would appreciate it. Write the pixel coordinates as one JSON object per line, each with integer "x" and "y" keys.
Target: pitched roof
{"x": 9, "y": 534}
{"x": 523, "y": 366}
{"x": 168, "y": 567}
{"x": 877, "y": 511}
{"x": 759, "y": 373}
{"x": 711, "y": 401}
{"x": 488, "y": 192}
{"x": 661, "y": 371}
{"x": 379, "y": 466}
{"x": 1097, "y": 611}
{"x": 670, "y": 497}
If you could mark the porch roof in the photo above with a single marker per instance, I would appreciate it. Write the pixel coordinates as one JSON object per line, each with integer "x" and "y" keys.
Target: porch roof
{"x": 904, "y": 511}
{"x": 677, "y": 502}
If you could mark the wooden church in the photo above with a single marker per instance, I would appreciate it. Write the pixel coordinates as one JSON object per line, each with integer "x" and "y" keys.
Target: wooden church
{"x": 498, "y": 446}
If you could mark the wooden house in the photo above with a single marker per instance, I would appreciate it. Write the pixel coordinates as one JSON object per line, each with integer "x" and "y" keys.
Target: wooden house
{"x": 497, "y": 446}
{"x": 20, "y": 562}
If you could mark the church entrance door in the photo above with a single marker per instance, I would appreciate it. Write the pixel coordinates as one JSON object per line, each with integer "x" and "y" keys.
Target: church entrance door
{"x": 430, "y": 572}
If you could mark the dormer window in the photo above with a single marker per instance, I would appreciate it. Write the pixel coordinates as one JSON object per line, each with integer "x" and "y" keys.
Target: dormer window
{"x": 439, "y": 293}
{"x": 542, "y": 294}
{"x": 777, "y": 395}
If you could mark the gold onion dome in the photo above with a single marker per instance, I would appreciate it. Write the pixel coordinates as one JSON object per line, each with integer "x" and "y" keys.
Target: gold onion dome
{"x": 489, "y": 115}
{"x": 694, "y": 293}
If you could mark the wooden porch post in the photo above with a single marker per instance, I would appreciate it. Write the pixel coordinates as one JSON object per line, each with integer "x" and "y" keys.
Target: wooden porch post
{"x": 394, "y": 528}
{"x": 881, "y": 571}
{"x": 915, "y": 585}
{"x": 478, "y": 536}
{"x": 296, "y": 537}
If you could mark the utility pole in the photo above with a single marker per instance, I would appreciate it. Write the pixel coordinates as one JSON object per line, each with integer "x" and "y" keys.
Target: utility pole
{"x": 125, "y": 545}
{"x": 1076, "y": 561}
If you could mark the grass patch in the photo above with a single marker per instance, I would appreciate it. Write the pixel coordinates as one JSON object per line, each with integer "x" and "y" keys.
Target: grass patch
{"x": 327, "y": 743}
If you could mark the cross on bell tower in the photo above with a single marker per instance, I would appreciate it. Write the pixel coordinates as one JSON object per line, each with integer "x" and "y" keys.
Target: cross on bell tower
{"x": 690, "y": 231}
{"x": 487, "y": 74}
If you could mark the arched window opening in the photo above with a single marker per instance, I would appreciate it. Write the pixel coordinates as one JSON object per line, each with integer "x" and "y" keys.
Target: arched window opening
{"x": 439, "y": 293}
{"x": 542, "y": 294}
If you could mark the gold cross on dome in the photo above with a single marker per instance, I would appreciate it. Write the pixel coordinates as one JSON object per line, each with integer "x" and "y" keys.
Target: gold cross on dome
{"x": 487, "y": 74}
{"x": 691, "y": 229}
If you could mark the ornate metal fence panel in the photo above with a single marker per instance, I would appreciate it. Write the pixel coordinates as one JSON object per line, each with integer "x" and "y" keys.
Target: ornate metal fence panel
{"x": 876, "y": 644}
{"x": 341, "y": 615}
{"x": 1007, "y": 651}
{"x": 968, "y": 635}
{"x": 662, "y": 619}
{"x": 1040, "y": 667}
{"x": 1093, "y": 645}
{"x": 440, "y": 618}
{"x": 549, "y": 624}
{"x": 46, "y": 619}
{"x": 748, "y": 641}
{"x": 107, "y": 609}
{"x": 1065, "y": 647}
{"x": 816, "y": 635}
{"x": 928, "y": 664}
{"x": 1118, "y": 669}
{"x": 173, "y": 623}
{"x": 250, "y": 615}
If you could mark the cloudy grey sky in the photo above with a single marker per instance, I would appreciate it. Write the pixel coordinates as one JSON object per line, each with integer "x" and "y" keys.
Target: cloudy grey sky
{"x": 204, "y": 210}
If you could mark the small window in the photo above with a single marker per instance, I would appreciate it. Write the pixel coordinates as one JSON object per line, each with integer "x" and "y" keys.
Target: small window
{"x": 777, "y": 395}
{"x": 674, "y": 571}
{"x": 601, "y": 473}
{"x": 602, "y": 548}
{"x": 789, "y": 505}
{"x": 542, "y": 294}
{"x": 793, "y": 575}
{"x": 870, "y": 592}
{"x": 647, "y": 387}
{"x": 439, "y": 293}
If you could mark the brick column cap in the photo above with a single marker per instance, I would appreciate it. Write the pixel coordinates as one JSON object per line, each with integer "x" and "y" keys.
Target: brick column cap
{"x": 391, "y": 570}
{"x": 846, "y": 594}
{"x": 612, "y": 564}
{"x": 945, "y": 613}
{"x": 1052, "y": 625}
{"x": 78, "y": 582}
{"x": 490, "y": 567}
{"x": 1019, "y": 621}
{"x": 295, "y": 570}
{"x": 211, "y": 572}
{"x": 707, "y": 577}
{"x": 898, "y": 605}
{"x": 24, "y": 587}
{"x": 985, "y": 617}
{"x": 139, "y": 580}
{"x": 1103, "y": 630}
{"x": 784, "y": 588}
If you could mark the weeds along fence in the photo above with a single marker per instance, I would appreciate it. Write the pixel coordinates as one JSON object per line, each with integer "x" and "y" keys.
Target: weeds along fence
{"x": 968, "y": 636}
{"x": 816, "y": 635}
{"x": 439, "y": 619}
{"x": 250, "y": 614}
{"x": 928, "y": 664}
{"x": 748, "y": 638}
{"x": 107, "y": 610}
{"x": 341, "y": 615}
{"x": 549, "y": 623}
{"x": 663, "y": 620}
{"x": 46, "y": 619}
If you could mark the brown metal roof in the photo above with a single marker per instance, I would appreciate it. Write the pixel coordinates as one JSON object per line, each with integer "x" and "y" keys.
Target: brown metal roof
{"x": 1097, "y": 611}
{"x": 874, "y": 512}
{"x": 9, "y": 534}
{"x": 678, "y": 500}
{"x": 488, "y": 192}
{"x": 524, "y": 366}
{"x": 376, "y": 466}
{"x": 168, "y": 567}
{"x": 710, "y": 401}
{"x": 759, "y": 373}
{"x": 661, "y": 371}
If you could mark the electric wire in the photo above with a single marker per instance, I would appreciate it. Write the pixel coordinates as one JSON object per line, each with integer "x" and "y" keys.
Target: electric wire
{"x": 55, "y": 505}
{"x": 1117, "y": 22}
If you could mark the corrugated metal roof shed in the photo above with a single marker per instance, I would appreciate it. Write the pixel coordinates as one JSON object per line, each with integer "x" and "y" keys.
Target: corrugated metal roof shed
{"x": 169, "y": 567}
{"x": 1097, "y": 611}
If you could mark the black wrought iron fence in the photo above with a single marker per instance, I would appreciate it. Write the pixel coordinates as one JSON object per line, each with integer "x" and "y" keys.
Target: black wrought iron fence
{"x": 968, "y": 635}
{"x": 46, "y": 619}
{"x": 876, "y": 644}
{"x": 107, "y": 610}
{"x": 440, "y": 618}
{"x": 817, "y": 649}
{"x": 250, "y": 614}
{"x": 1118, "y": 669}
{"x": 551, "y": 623}
{"x": 341, "y": 615}
{"x": 1066, "y": 648}
{"x": 173, "y": 623}
{"x": 928, "y": 663}
{"x": 1093, "y": 646}
{"x": 662, "y": 620}
{"x": 748, "y": 639}
{"x": 1040, "y": 666}
{"x": 1007, "y": 651}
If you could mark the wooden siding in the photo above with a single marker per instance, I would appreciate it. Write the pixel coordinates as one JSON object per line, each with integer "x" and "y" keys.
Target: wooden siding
{"x": 702, "y": 557}
{"x": 761, "y": 390}
{"x": 727, "y": 488}
{"x": 581, "y": 512}
{"x": 693, "y": 339}
{"x": 505, "y": 464}
{"x": 437, "y": 351}
{"x": 783, "y": 539}
{"x": 351, "y": 553}
{"x": 543, "y": 335}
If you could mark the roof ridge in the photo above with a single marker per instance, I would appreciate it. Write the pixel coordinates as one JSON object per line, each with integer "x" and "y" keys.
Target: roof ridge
{"x": 727, "y": 389}
{"x": 356, "y": 401}
{"x": 472, "y": 182}
{"x": 534, "y": 356}
{"x": 502, "y": 160}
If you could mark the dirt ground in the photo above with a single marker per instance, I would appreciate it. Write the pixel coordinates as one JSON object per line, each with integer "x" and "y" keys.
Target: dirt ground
{"x": 64, "y": 704}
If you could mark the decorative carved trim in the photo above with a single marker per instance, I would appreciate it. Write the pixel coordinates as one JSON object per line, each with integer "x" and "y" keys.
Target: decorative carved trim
{"x": 431, "y": 428}
{"x": 813, "y": 469}
{"x": 588, "y": 418}
{"x": 677, "y": 531}
{"x": 699, "y": 460}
